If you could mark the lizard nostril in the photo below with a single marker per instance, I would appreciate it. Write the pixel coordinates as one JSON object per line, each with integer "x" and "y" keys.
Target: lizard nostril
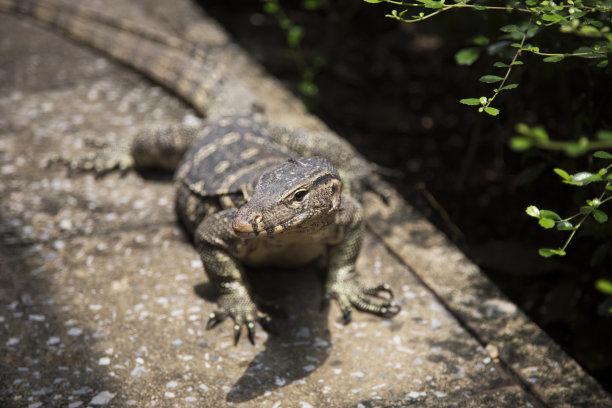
{"x": 257, "y": 218}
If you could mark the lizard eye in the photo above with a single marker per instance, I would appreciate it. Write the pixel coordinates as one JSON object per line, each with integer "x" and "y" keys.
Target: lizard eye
{"x": 299, "y": 195}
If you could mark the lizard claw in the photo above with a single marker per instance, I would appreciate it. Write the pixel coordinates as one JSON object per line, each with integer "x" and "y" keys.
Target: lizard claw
{"x": 251, "y": 333}
{"x": 243, "y": 313}
{"x": 347, "y": 315}
{"x": 383, "y": 287}
{"x": 214, "y": 319}
{"x": 377, "y": 300}
{"x": 237, "y": 332}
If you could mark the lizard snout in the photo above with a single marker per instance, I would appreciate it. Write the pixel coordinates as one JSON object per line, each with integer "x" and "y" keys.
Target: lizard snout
{"x": 247, "y": 225}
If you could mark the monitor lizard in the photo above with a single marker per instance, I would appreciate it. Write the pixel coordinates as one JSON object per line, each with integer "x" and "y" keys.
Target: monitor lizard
{"x": 249, "y": 192}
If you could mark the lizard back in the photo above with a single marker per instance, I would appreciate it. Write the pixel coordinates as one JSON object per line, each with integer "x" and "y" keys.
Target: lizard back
{"x": 228, "y": 157}
{"x": 222, "y": 167}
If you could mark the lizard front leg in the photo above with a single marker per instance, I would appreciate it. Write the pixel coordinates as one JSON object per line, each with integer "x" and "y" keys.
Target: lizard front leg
{"x": 342, "y": 283}
{"x": 218, "y": 247}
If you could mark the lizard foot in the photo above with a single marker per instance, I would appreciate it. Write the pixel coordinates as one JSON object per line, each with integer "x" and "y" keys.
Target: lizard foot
{"x": 243, "y": 312}
{"x": 105, "y": 159}
{"x": 377, "y": 300}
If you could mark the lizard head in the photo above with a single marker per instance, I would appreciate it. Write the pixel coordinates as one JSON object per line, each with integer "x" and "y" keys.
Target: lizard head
{"x": 300, "y": 195}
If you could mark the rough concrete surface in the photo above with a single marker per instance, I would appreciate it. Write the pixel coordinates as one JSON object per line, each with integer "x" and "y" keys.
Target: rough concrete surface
{"x": 103, "y": 300}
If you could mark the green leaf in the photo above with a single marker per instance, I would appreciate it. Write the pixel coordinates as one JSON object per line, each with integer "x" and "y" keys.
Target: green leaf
{"x": 600, "y": 216}
{"x": 554, "y": 58}
{"x": 491, "y": 111}
{"x": 470, "y": 101}
{"x": 589, "y": 31}
{"x": 533, "y": 211}
{"x": 552, "y": 17}
{"x": 308, "y": 88}
{"x": 549, "y": 214}
{"x": 562, "y": 173}
{"x": 536, "y": 132}
{"x": 548, "y": 252}
{"x": 600, "y": 154}
{"x": 508, "y": 87}
{"x": 480, "y": 40}
{"x": 574, "y": 149}
{"x": 581, "y": 179}
{"x": 312, "y": 4}
{"x": 520, "y": 144}
{"x": 585, "y": 209}
{"x": 539, "y": 133}
{"x": 604, "y": 135}
{"x": 295, "y": 35}
{"x": 565, "y": 226}
{"x": 431, "y": 3}
{"x": 270, "y": 8}
{"x": 373, "y": 1}
{"x": 467, "y": 56}
{"x": 489, "y": 79}
{"x": 511, "y": 28}
{"x": 588, "y": 51}
{"x": 604, "y": 285}
{"x": 500, "y": 64}
{"x": 546, "y": 223}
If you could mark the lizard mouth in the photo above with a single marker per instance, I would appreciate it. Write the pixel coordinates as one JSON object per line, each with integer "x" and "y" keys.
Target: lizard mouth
{"x": 251, "y": 226}
{"x": 242, "y": 234}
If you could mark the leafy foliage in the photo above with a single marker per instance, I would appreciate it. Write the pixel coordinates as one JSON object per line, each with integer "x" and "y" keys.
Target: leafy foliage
{"x": 536, "y": 137}
{"x": 588, "y": 19}
{"x": 294, "y": 34}
{"x": 592, "y": 210}
{"x": 581, "y": 30}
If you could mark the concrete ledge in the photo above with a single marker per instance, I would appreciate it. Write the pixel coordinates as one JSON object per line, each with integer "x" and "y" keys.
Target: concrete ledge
{"x": 103, "y": 300}
{"x": 524, "y": 351}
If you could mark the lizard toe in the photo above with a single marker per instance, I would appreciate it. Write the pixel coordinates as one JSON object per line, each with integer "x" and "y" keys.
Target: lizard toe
{"x": 377, "y": 290}
{"x": 215, "y": 318}
{"x": 377, "y": 300}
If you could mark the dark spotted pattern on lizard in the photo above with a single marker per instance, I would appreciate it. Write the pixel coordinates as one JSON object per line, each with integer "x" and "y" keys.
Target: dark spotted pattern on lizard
{"x": 250, "y": 193}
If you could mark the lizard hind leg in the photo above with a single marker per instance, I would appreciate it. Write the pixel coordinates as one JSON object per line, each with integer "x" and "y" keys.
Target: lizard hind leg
{"x": 159, "y": 149}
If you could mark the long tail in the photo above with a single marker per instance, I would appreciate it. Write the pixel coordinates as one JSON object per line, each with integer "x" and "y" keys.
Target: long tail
{"x": 167, "y": 60}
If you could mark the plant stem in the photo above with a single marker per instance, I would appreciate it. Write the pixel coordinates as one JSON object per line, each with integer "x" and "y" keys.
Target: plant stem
{"x": 497, "y": 90}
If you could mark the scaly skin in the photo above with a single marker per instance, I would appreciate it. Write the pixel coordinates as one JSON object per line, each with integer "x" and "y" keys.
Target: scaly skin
{"x": 250, "y": 192}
